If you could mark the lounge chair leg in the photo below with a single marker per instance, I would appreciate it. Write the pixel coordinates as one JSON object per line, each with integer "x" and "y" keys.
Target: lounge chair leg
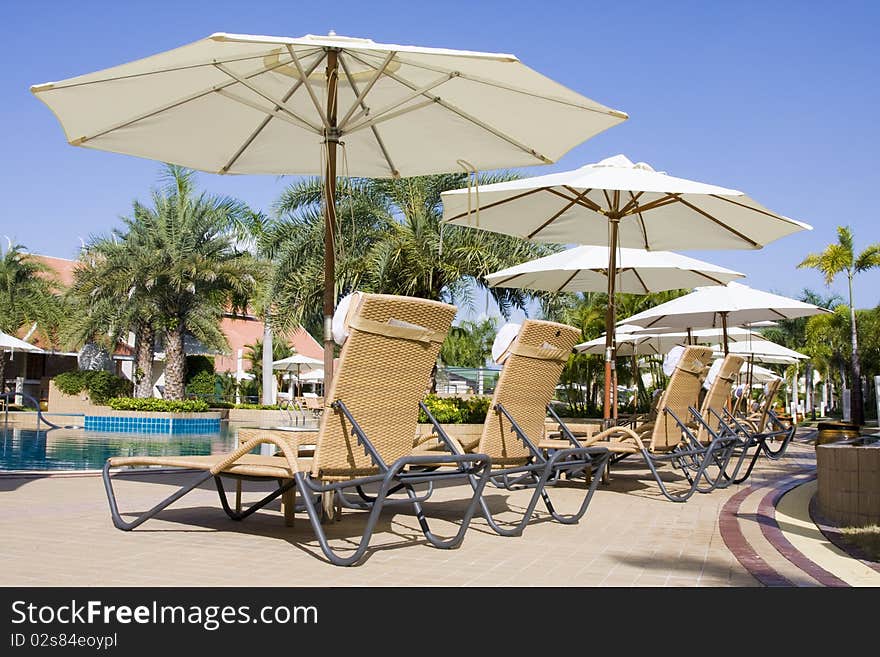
{"x": 288, "y": 504}
{"x": 238, "y": 496}
{"x": 256, "y": 506}
{"x": 328, "y": 506}
{"x": 124, "y": 525}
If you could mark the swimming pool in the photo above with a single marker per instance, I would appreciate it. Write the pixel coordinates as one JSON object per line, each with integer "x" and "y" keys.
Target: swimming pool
{"x": 77, "y": 449}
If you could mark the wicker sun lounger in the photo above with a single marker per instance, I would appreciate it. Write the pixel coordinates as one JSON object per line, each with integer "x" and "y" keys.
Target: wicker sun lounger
{"x": 670, "y": 439}
{"x": 365, "y": 435}
{"x": 514, "y": 427}
{"x": 758, "y": 431}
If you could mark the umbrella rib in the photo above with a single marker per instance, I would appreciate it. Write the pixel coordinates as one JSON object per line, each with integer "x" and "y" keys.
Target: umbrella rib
{"x": 387, "y": 114}
{"x": 641, "y": 219}
{"x": 652, "y": 205}
{"x": 568, "y": 280}
{"x": 359, "y": 101}
{"x": 557, "y": 215}
{"x": 458, "y": 111}
{"x": 279, "y": 113}
{"x": 764, "y": 212}
{"x": 490, "y": 83}
{"x": 585, "y": 201}
{"x": 266, "y": 96}
{"x": 373, "y": 129}
{"x": 504, "y": 280}
{"x": 70, "y": 85}
{"x": 636, "y": 274}
{"x": 265, "y": 121}
{"x": 705, "y": 275}
{"x": 462, "y": 215}
{"x": 717, "y": 221}
{"x": 305, "y": 79}
{"x": 180, "y": 101}
{"x": 631, "y": 203}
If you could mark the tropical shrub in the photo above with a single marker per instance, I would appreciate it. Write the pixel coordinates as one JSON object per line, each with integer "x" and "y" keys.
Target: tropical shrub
{"x": 455, "y": 410}
{"x": 100, "y": 385}
{"x": 203, "y": 384}
{"x": 153, "y": 405}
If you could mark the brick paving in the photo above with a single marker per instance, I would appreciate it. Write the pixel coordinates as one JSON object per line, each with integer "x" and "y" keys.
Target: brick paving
{"x": 56, "y": 530}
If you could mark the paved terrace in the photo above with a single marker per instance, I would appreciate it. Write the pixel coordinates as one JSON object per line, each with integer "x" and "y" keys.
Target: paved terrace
{"x": 56, "y": 530}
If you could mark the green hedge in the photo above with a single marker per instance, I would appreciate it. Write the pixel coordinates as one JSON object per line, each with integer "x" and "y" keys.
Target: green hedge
{"x": 455, "y": 410}
{"x": 152, "y": 404}
{"x": 258, "y": 407}
{"x": 202, "y": 384}
{"x": 100, "y": 385}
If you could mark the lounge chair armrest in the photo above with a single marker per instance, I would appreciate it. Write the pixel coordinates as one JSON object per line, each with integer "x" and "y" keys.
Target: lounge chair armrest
{"x": 286, "y": 448}
{"x": 615, "y": 434}
{"x": 421, "y": 440}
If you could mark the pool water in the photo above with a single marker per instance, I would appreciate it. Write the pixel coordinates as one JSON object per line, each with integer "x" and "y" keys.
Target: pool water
{"x": 77, "y": 449}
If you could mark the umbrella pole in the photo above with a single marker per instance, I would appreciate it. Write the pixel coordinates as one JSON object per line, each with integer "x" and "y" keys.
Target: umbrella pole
{"x": 690, "y": 336}
{"x": 724, "y": 330}
{"x": 610, "y": 318}
{"x": 332, "y": 140}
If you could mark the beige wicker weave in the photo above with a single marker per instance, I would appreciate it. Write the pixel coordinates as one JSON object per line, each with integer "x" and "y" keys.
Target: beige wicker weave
{"x": 522, "y": 394}
{"x": 667, "y": 440}
{"x": 718, "y": 397}
{"x": 384, "y": 371}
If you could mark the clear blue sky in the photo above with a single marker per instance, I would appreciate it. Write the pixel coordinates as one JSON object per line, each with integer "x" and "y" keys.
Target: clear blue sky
{"x": 778, "y": 99}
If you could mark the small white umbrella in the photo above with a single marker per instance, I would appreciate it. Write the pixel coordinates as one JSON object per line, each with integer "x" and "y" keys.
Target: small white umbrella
{"x": 732, "y": 305}
{"x": 314, "y": 375}
{"x": 633, "y": 341}
{"x": 245, "y": 103}
{"x": 759, "y": 374}
{"x": 763, "y": 351}
{"x": 12, "y": 343}
{"x": 585, "y": 269}
{"x": 297, "y": 363}
{"x": 619, "y": 204}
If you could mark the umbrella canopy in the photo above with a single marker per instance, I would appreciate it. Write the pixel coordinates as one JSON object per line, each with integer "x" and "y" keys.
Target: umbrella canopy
{"x": 618, "y": 203}
{"x": 585, "y": 269}
{"x": 764, "y": 351}
{"x": 12, "y": 343}
{"x": 633, "y": 341}
{"x": 759, "y": 374}
{"x": 239, "y": 103}
{"x": 732, "y": 305}
{"x": 297, "y": 363}
{"x": 314, "y": 375}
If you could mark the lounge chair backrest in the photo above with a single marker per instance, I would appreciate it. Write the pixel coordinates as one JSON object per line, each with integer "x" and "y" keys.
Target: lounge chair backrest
{"x": 526, "y": 385}
{"x": 718, "y": 395}
{"x": 384, "y": 372}
{"x": 762, "y": 414}
{"x": 682, "y": 391}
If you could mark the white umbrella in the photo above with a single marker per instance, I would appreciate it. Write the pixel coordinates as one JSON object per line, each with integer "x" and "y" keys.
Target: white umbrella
{"x": 633, "y": 341}
{"x": 760, "y": 374}
{"x": 314, "y": 375}
{"x": 764, "y": 351}
{"x": 238, "y": 103}
{"x": 585, "y": 269}
{"x": 297, "y": 363}
{"x": 12, "y": 343}
{"x": 617, "y": 203}
{"x": 732, "y": 305}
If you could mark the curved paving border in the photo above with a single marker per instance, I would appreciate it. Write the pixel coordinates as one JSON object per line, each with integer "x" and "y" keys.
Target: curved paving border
{"x": 834, "y": 535}
{"x": 736, "y": 542}
{"x": 773, "y": 533}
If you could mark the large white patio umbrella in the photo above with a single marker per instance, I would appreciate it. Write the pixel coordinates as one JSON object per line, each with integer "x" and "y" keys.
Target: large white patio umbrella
{"x": 238, "y": 103}
{"x": 585, "y": 269}
{"x": 715, "y": 306}
{"x": 619, "y": 204}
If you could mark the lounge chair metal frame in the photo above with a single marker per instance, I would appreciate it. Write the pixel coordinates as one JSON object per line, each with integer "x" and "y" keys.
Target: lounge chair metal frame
{"x": 387, "y": 324}
{"x": 538, "y": 475}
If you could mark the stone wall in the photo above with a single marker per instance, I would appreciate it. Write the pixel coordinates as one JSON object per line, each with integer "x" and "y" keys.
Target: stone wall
{"x": 61, "y": 403}
{"x": 849, "y": 484}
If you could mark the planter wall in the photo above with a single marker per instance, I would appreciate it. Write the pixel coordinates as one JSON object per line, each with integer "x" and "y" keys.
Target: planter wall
{"x": 265, "y": 418}
{"x": 849, "y": 484}
{"x": 78, "y": 404}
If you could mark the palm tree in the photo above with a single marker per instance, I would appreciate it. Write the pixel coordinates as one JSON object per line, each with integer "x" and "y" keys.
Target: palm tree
{"x": 195, "y": 270}
{"x": 469, "y": 344}
{"x": 111, "y": 289}
{"x": 254, "y": 355}
{"x": 27, "y": 296}
{"x": 840, "y": 258}
{"x": 389, "y": 240}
